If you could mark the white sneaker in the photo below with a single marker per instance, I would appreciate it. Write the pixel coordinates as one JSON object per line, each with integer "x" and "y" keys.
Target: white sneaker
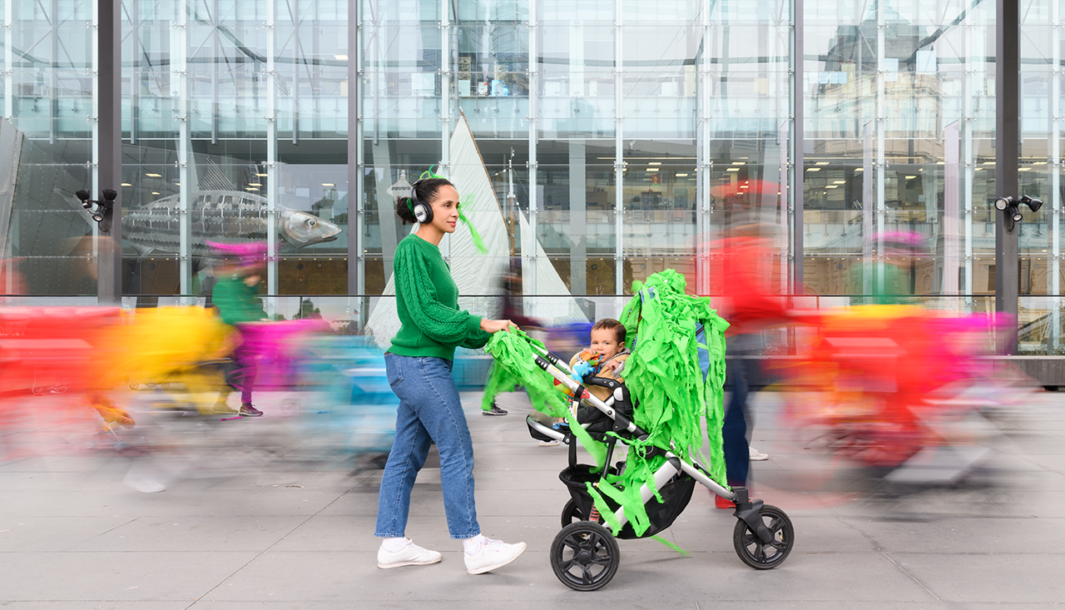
{"x": 410, "y": 555}
{"x": 757, "y": 456}
{"x": 493, "y": 554}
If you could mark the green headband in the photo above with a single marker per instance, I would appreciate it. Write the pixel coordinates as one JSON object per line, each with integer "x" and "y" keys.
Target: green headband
{"x": 467, "y": 200}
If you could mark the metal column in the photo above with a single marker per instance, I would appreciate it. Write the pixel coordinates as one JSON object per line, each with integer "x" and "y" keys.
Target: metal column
{"x": 532, "y": 242}
{"x": 179, "y": 62}
{"x": 109, "y": 145}
{"x": 798, "y": 172}
{"x": 1007, "y": 145}
{"x": 355, "y": 259}
{"x": 272, "y": 180}
{"x": 1054, "y": 257}
{"x": 619, "y": 152}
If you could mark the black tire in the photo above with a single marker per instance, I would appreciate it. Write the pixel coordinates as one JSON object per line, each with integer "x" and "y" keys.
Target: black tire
{"x": 765, "y": 556}
{"x": 585, "y": 556}
{"x": 571, "y": 513}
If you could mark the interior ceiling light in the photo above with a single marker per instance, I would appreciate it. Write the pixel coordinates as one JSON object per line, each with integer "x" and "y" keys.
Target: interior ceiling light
{"x": 682, "y": 175}
{"x": 739, "y": 163}
{"x": 859, "y": 169}
{"x": 813, "y": 169}
{"x": 1024, "y": 169}
{"x": 262, "y": 175}
{"x": 910, "y": 177}
{"x": 328, "y": 184}
{"x": 839, "y": 182}
{"x": 654, "y": 163}
{"x": 126, "y": 184}
{"x": 652, "y": 169}
{"x": 154, "y": 175}
{"x": 340, "y": 57}
{"x": 822, "y": 162}
{"x": 155, "y": 192}
{"x": 1040, "y": 163}
{"x": 733, "y": 169}
{"x": 251, "y": 188}
{"x": 832, "y": 186}
{"x": 254, "y": 184}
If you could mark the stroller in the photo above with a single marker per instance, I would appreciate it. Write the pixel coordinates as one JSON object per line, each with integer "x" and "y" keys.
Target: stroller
{"x": 585, "y": 554}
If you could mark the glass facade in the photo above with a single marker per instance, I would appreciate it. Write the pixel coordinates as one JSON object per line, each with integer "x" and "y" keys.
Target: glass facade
{"x": 619, "y": 138}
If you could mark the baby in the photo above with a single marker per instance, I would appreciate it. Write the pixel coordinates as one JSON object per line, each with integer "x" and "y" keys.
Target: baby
{"x": 608, "y": 343}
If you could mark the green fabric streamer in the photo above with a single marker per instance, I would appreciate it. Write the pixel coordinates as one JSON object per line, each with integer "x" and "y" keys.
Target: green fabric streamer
{"x": 467, "y": 201}
{"x": 477, "y": 241}
{"x": 515, "y": 364}
{"x": 663, "y": 374}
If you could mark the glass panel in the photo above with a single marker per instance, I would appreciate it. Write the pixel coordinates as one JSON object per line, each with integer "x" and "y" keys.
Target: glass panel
{"x": 48, "y": 243}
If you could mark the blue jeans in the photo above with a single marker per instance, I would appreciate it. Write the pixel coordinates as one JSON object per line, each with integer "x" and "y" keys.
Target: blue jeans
{"x": 734, "y": 431}
{"x": 429, "y": 412}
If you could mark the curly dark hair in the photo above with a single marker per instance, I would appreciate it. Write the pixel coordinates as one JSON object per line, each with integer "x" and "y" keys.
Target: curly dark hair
{"x": 614, "y": 325}
{"x": 426, "y": 190}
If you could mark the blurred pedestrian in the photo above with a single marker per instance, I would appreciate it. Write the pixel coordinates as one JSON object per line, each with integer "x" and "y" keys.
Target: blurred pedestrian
{"x": 749, "y": 306}
{"x": 235, "y": 296}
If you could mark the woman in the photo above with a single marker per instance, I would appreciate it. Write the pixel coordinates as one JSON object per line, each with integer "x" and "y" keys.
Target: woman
{"x": 419, "y": 371}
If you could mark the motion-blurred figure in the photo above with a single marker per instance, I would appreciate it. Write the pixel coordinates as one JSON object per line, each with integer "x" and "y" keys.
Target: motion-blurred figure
{"x": 235, "y": 296}
{"x": 737, "y": 274}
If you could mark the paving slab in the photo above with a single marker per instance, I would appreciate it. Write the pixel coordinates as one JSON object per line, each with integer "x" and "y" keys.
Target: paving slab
{"x": 290, "y": 532}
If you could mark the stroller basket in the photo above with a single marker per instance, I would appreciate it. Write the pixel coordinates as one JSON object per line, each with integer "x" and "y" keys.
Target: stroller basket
{"x": 675, "y": 497}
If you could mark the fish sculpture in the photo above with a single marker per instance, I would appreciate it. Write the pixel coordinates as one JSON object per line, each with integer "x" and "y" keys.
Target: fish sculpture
{"x": 220, "y": 216}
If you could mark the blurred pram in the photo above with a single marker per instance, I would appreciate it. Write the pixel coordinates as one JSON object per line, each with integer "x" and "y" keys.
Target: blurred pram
{"x": 354, "y": 421}
{"x": 899, "y": 392}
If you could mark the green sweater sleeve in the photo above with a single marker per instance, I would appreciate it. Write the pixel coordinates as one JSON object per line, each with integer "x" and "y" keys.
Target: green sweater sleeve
{"x": 435, "y": 320}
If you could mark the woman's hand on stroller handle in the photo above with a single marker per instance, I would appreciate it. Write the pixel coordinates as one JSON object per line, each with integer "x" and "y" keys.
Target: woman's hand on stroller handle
{"x": 494, "y": 326}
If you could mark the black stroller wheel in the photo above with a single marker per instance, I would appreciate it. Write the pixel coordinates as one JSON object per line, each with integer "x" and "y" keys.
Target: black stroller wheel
{"x": 757, "y": 554}
{"x": 571, "y": 513}
{"x": 585, "y": 556}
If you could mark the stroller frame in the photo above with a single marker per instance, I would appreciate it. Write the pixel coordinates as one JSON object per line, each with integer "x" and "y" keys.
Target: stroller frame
{"x": 584, "y": 543}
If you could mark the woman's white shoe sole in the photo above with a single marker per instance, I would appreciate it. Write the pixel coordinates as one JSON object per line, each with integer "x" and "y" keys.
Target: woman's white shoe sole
{"x": 386, "y": 566}
{"x": 499, "y": 565}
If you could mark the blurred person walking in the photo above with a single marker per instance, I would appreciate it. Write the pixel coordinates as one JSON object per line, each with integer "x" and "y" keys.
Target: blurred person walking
{"x": 749, "y": 308}
{"x": 418, "y": 365}
{"x": 235, "y": 296}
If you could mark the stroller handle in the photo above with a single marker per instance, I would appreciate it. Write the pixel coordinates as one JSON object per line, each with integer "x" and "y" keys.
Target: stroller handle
{"x": 587, "y": 397}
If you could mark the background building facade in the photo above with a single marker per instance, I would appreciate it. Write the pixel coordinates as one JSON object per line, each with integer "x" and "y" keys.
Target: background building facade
{"x": 625, "y": 136}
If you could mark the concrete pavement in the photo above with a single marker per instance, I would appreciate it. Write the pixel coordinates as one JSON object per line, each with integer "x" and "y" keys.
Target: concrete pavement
{"x": 72, "y": 536}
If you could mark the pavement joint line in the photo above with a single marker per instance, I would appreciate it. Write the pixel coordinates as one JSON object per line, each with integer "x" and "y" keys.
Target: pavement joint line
{"x": 266, "y": 550}
{"x": 103, "y": 534}
{"x": 915, "y": 579}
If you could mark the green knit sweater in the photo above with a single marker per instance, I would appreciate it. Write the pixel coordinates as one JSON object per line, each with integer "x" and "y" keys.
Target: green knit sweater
{"x": 237, "y": 302}
{"x": 428, "y": 303}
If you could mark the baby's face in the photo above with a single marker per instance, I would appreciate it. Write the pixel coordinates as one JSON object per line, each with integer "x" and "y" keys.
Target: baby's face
{"x": 605, "y": 343}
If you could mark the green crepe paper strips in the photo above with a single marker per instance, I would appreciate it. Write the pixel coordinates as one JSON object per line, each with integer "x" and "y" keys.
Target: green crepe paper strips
{"x": 663, "y": 373}
{"x": 515, "y": 364}
{"x": 477, "y": 241}
{"x": 465, "y": 201}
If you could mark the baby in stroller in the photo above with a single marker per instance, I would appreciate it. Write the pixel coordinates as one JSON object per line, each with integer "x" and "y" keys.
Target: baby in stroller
{"x": 604, "y": 358}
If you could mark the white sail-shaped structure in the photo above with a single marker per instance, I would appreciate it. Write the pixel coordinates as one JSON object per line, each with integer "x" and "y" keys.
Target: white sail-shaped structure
{"x": 479, "y": 276}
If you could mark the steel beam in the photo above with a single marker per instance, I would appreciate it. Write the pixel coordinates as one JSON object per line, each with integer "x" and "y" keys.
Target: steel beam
{"x": 1007, "y": 145}
{"x": 109, "y": 147}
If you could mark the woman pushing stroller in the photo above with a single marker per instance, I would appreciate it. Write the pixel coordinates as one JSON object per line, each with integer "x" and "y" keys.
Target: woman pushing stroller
{"x": 418, "y": 365}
